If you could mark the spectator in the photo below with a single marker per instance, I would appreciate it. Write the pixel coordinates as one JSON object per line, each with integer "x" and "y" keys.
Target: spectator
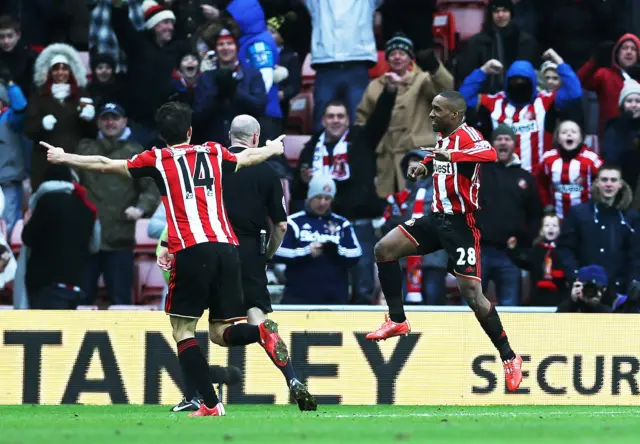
{"x": 15, "y": 55}
{"x": 589, "y": 292}
{"x": 257, "y": 49}
{"x": 61, "y": 231}
{"x": 185, "y": 78}
{"x": 510, "y": 208}
{"x": 319, "y": 243}
{"x": 346, "y": 153}
{"x": 565, "y": 173}
{"x": 575, "y": 27}
{"x": 60, "y": 111}
{"x": 621, "y": 143}
{"x": 501, "y": 40}
{"x": 289, "y": 87}
{"x": 12, "y": 168}
{"x": 120, "y": 203}
{"x": 426, "y": 275}
{"x": 229, "y": 89}
{"x": 343, "y": 49}
{"x": 605, "y": 74}
{"x": 551, "y": 81}
{"x": 529, "y": 112}
{"x": 152, "y": 55}
{"x": 106, "y": 85}
{"x": 410, "y": 125}
{"x": 548, "y": 280}
{"x": 190, "y": 15}
{"x": 603, "y": 231}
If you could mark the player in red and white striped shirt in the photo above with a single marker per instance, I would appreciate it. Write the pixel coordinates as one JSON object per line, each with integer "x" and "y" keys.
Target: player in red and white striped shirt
{"x": 202, "y": 254}
{"x": 450, "y": 226}
{"x": 565, "y": 173}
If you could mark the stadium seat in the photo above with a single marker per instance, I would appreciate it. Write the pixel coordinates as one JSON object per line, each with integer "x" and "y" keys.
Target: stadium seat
{"x": 380, "y": 68}
{"x": 469, "y": 15}
{"x": 144, "y": 244}
{"x": 301, "y": 113}
{"x": 16, "y": 236}
{"x": 444, "y": 34}
{"x": 149, "y": 282}
{"x": 293, "y": 145}
{"x": 593, "y": 142}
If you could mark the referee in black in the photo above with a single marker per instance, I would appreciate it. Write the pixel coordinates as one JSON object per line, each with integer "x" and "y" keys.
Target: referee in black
{"x": 253, "y": 196}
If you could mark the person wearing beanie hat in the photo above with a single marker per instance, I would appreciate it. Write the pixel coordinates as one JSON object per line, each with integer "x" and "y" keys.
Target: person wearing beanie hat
{"x": 12, "y": 165}
{"x": 318, "y": 243}
{"x": 589, "y": 292}
{"x": 410, "y": 125}
{"x": 106, "y": 85}
{"x": 511, "y": 208}
{"x": 155, "y": 14}
{"x": 549, "y": 71}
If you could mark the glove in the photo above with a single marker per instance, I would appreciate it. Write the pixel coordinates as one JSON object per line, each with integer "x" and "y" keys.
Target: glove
{"x": 604, "y": 54}
{"x": 88, "y": 113}
{"x": 48, "y": 122}
{"x": 225, "y": 82}
{"x": 280, "y": 73}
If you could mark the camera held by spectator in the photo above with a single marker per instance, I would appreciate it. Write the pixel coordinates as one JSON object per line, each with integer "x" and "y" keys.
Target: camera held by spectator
{"x": 589, "y": 292}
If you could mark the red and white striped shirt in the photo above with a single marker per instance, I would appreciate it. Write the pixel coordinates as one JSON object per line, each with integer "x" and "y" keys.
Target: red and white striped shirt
{"x": 189, "y": 178}
{"x": 456, "y": 184}
{"x": 526, "y": 121}
{"x": 566, "y": 181}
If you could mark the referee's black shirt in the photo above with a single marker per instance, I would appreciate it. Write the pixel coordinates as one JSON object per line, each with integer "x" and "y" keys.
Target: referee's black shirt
{"x": 251, "y": 195}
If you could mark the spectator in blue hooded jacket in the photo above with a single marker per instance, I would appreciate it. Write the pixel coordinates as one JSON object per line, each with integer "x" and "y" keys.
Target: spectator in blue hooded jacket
{"x": 257, "y": 49}
{"x": 318, "y": 249}
{"x": 532, "y": 114}
{"x": 227, "y": 90}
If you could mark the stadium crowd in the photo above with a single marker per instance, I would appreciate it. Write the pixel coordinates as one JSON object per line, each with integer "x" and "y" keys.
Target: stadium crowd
{"x": 553, "y": 84}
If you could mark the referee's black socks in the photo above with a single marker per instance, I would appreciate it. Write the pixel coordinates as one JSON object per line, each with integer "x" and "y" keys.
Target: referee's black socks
{"x": 196, "y": 370}
{"x": 492, "y": 326}
{"x": 390, "y": 276}
{"x": 241, "y": 334}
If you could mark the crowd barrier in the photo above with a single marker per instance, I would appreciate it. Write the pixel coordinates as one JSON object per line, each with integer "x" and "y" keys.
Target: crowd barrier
{"x": 118, "y": 357}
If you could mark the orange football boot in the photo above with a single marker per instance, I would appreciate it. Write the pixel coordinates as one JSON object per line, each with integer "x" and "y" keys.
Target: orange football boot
{"x": 390, "y": 329}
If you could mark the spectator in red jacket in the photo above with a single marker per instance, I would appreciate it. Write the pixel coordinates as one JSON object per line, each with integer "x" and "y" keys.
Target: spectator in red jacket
{"x": 605, "y": 74}
{"x": 566, "y": 172}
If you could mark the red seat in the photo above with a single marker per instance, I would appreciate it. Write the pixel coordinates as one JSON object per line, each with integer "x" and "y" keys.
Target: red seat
{"x": 144, "y": 244}
{"x": 444, "y": 34}
{"x": 469, "y": 15}
{"x": 293, "y": 146}
{"x": 16, "y": 236}
{"x": 301, "y": 113}
{"x": 149, "y": 280}
{"x": 592, "y": 142}
{"x": 381, "y": 67}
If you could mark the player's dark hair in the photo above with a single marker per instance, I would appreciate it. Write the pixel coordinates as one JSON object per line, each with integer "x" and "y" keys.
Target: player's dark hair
{"x": 174, "y": 120}
{"x": 335, "y": 102}
{"x": 455, "y": 99}
{"x": 8, "y": 22}
{"x": 609, "y": 167}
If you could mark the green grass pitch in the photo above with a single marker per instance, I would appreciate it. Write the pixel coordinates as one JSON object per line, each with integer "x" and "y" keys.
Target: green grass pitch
{"x": 69, "y": 424}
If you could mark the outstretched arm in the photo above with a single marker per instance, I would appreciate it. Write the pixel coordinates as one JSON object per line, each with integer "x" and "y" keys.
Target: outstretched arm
{"x": 258, "y": 155}
{"x": 100, "y": 164}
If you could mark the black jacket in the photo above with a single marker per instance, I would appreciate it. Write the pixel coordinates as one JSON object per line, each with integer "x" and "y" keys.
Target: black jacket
{"x": 114, "y": 91}
{"x": 20, "y": 63}
{"x": 621, "y": 147}
{"x": 509, "y": 204}
{"x": 356, "y": 197}
{"x": 596, "y": 234}
{"x": 150, "y": 67}
{"x": 506, "y": 45}
{"x": 58, "y": 234}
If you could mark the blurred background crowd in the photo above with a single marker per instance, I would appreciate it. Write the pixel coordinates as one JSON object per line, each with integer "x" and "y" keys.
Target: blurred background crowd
{"x": 553, "y": 84}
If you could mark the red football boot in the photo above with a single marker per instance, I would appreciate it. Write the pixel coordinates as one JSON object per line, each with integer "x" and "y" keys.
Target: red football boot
{"x": 273, "y": 343}
{"x": 218, "y": 410}
{"x": 513, "y": 373}
{"x": 390, "y": 329}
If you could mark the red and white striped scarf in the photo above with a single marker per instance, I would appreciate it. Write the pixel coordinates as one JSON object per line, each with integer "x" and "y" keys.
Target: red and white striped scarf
{"x": 336, "y": 165}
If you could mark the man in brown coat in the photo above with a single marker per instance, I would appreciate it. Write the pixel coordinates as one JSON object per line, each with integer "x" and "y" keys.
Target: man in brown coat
{"x": 410, "y": 125}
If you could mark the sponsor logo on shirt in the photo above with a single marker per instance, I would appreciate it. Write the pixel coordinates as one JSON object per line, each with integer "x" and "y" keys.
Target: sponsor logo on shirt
{"x": 524, "y": 127}
{"x": 569, "y": 188}
{"x": 315, "y": 236}
{"x": 442, "y": 168}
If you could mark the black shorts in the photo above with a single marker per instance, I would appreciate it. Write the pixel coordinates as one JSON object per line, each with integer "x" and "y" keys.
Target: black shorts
{"x": 458, "y": 234}
{"x": 206, "y": 276}
{"x": 254, "y": 275}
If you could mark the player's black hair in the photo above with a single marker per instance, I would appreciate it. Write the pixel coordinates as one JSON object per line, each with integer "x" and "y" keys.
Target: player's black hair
{"x": 456, "y": 100}
{"x": 174, "y": 120}
{"x": 335, "y": 102}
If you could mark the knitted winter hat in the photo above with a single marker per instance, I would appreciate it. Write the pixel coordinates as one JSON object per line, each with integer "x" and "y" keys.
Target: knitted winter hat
{"x": 321, "y": 186}
{"x": 594, "y": 274}
{"x": 4, "y": 95}
{"x": 630, "y": 87}
{"x": 503, "y": 130}
{"x": 155, "y": 13}
{"x": 399, "y": 41}
{"x": 98, "y": 59}
{"x": 548, "y": 65}
{"x": 495, "y": 4}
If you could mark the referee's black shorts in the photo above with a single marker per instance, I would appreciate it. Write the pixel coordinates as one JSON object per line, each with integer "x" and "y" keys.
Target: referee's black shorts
{"x": 206, "y": 276}
{"x": 254, "y": 276}
{"x": 458, "y": 234}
